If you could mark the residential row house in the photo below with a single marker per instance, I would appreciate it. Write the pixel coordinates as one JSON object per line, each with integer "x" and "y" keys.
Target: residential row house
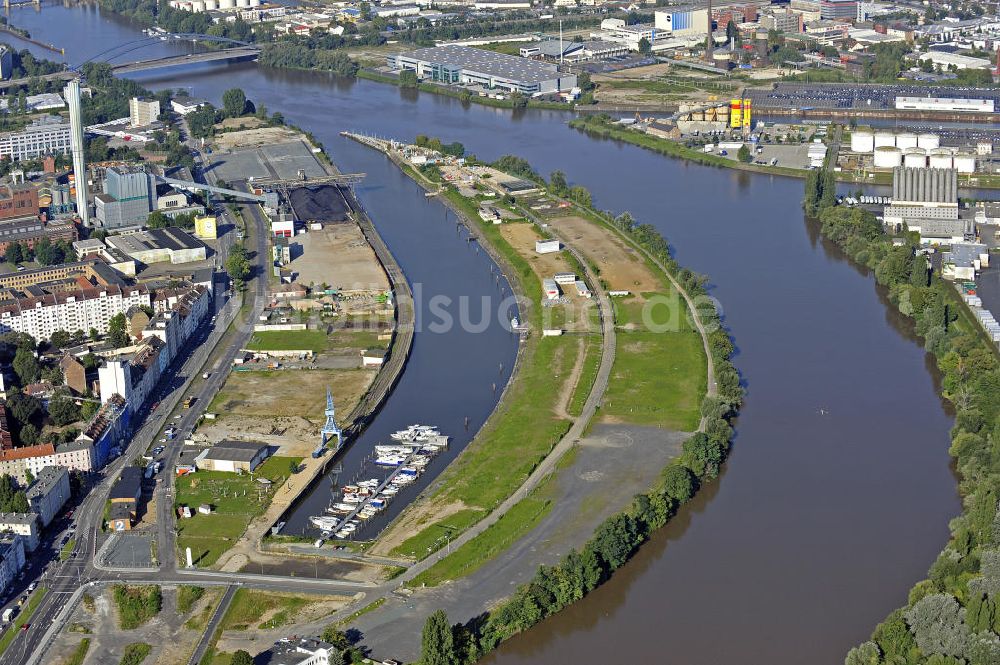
{"x": 88, "y": 308}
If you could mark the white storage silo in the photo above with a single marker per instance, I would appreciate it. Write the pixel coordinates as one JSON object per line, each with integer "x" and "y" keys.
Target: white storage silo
{"x": 243, "y": 3}
{"x": 928, "y": 141}
{"x": 255, "y": 3}
{"x": 964, "y": 162}
{"x": 906, "y": 140}
{"x": 915, "y": 158}
{"x": 940, "y": 158}
{"x": 862, "y": 140}
{"x": 227, "y": 4}
{"x": 887, "y": 156}
{"x": 211, "y": 5}
{"x": 883, "y": 139}
{"x": 198, "y": 6}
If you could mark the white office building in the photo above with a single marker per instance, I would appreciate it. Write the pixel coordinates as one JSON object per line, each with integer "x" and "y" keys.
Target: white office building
{"x": 83, "y": 309}
{"x": 45, "y": 136}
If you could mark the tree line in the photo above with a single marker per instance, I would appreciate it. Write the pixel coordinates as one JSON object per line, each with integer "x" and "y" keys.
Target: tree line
{"x": 952, "y": 617}
{"x": 620, "y": 535}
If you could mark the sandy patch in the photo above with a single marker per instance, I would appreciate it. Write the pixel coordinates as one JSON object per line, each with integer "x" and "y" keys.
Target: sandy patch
{"x": 411, "y": 522}
{"x": 621, "y": 266}
{"x": 253, "y": 138}
{"x": 339, "y": 256}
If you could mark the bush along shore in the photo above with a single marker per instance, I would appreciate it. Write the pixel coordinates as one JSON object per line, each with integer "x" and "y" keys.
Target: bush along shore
{"x": 952, "y": 617}
{"x": 619, "y": 537}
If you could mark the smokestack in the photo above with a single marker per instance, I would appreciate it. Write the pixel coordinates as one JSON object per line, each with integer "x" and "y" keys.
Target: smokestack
{"x": 72, "y": 94}
{"x": 709, "y": 42}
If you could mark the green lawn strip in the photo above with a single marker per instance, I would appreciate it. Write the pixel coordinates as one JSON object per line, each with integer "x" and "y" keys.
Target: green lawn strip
{"x": 67, "y": 549}
{"x": 370, "y": 607}
{"x": 522, "y": 431}
{"x": 22, "y": 618}
{"x": 591, "y": 364}
{"x": 248, "y": 608}
{"x": 235, "y": 499}
{"x": 187, "y": 596}
{"x": 136, "y": 604}
{"x": 135, "y": 653}
{"x": 519, "y": 520}
{"x": 79, "y": 653}
{"x": 289, "y": 340}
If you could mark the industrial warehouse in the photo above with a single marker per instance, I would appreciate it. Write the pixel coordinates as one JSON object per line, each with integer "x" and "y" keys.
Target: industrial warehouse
{"x": 471, "y": 66}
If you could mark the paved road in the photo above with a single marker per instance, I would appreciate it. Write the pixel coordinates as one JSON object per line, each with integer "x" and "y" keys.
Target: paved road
{"x": 206, "y": 637}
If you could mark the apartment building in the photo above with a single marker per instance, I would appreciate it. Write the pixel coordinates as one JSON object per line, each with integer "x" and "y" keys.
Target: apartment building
{"x": 45, "y": 136}
{"x": 42, "y": 314}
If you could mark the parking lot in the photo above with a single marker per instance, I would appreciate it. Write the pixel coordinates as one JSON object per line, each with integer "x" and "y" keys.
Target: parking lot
{"x": 282, "y": 160}
{"x": 854, "y": 96}
{"x": 794, "y": 156}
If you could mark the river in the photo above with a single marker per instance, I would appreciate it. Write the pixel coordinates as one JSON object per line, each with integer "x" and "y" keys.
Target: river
{"x": 838, "y": 492}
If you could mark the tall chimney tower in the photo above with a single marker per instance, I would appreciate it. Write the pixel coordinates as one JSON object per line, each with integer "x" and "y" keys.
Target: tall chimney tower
{"x": 709, "y": 42}
{"x": 72, "y": 94}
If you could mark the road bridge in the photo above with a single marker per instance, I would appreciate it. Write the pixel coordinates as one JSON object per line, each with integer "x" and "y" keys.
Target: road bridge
{"x": 235, "y": 53}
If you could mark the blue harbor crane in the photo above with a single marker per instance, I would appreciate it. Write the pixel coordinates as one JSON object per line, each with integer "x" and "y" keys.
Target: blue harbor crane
{"x": 330, "y": 429}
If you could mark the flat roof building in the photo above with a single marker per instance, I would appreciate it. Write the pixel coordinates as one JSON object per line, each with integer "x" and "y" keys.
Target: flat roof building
{"x": 171, "y": 244}
{"x": 45, "y": 136}
{"x": 470, "y": 66}
{"x": 233, "y": 456}
{"x": 49, "y": 493}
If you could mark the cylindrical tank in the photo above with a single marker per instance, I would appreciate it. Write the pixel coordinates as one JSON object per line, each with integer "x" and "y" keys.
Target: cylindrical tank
{"x": 888, "y": 157}
{"x": 862, "y": 140}
{"x": 243, "y": 3}
{"x": 57, "y": 196}
{"x": 928, "y": 141}
{"x": 211, "y": 5}
{"x": 964, "y": 162}
{"x": 906, "y": 140}
{"x": 227, "y": 4}
{"x": 940, "y": 158}
{"x": 883, "y": 139}
{"x": 198, "y": 6}
{"x": 255, "y": 3}
{"x": 915, "y": 158}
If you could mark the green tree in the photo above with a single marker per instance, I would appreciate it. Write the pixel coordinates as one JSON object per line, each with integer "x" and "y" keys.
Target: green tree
{"x": 408, "y": 79}
{"x": 558, "y": 184}
{"x": 118, "y": 331}
{"x": 238, "y": 266}
{"x": 645, "y": 47}
{"x": 679, "y": 483}
{"x": 26, "y": 366}
{"x": 60, "y": 339}
{"x": 157, "y": 220}
{"x": 15, "y": 253}
{"x": 744, "y": 154}
{"x": 437, "y": 642}
{"x": 63, "y": 410}
{"x": 241, "y": 657}
{"x": 234, "y": 102}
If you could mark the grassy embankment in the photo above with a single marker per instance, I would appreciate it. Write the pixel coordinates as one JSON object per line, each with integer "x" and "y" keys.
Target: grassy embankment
{"x": 135, "y": 653}
{"x": 136, "y": 605}
{"x": 253, "y": 610}
{"x": 235, "y": 499}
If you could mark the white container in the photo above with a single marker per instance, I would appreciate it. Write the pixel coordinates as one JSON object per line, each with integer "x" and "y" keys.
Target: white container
{"x": 906, "y": 140}
{"x": 862, "y": 141}
{"x": 244, "y": 4}
{"x": 915, "y": 158}
{"x": 198, "y": 6}
{"x": 964, "y": 162}
{"x": 227, "y": 4}
{"x": 884, "y": 139}
{"x": 211, "y": 5}
{"x": 928, "y": 141}
{"x": 888, "y": 157}
{"x": 940, "y": 158}
{"x": 255, "y": 3}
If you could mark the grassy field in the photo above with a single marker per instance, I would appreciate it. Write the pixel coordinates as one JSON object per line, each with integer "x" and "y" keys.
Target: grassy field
{"x": 136, "y": 605}
{"x": 23, "y": 617}
{"x": 79, "y": 653}
{"x": 236, "y": 500}
{"x": 591, "y": 363}
{"x": 249, "y": 608}
{"x": 135, "y": 653}
{"x": 187, "y": 596}
{"x": 289, "y": 340}
{"x": 519, "y": 520}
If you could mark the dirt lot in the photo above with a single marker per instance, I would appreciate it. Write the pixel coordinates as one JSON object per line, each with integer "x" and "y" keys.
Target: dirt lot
{"x": 522, "y": 237}
{"x": 283, "y": 408}
{"x": 173, "y": 641}
{"x": 253, "y": 138}
{"x": 620, "y": 266}
{"x": 338, "y": 256}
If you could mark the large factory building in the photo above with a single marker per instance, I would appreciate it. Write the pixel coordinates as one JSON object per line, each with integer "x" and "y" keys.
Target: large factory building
{"x": 470, "y": 66}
